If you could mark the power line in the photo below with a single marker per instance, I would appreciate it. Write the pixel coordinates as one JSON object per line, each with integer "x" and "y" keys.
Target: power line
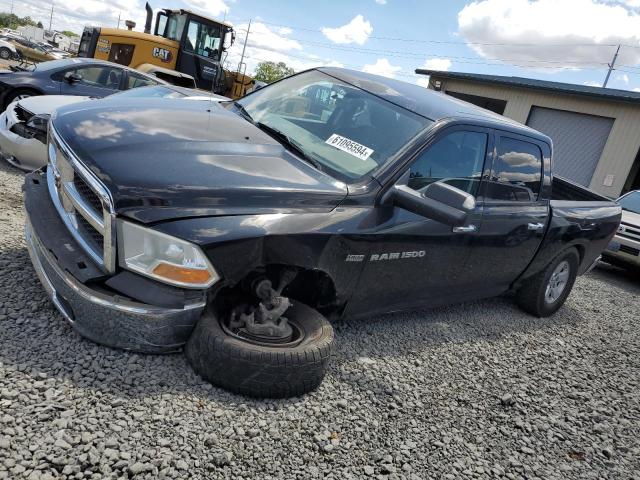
{"x": 452, "y": 42}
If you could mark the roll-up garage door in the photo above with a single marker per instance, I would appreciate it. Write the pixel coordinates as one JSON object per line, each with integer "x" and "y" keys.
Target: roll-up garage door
{"x": 578, "y": 140}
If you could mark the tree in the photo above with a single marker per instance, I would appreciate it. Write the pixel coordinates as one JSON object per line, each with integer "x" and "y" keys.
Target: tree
{"x": 10, "y": 20}
{"x": 270, "y": 72}
{"x": 40, "y": 25}
{"x": 68, "y": 33}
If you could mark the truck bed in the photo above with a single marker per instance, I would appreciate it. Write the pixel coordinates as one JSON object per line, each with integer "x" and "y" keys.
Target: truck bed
{"x": 579, "y": 217}
{"x": 563, "y": 189}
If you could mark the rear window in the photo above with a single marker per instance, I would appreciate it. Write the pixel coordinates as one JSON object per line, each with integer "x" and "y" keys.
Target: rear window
{"x": 517, "y": 172}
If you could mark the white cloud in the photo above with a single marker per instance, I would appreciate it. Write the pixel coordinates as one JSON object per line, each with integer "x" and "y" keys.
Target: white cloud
{"x": 357, "y": 31}
{"x": 382, "y": 67}
{"x": 381, "y": 2}
{"x": 211, "y": 8}
{"x": 623, "y": 77}
{"x": 423, "y": 81}
{"x": 285, "y": 31}
{"x": 636, "y": 89}
{"x": 442, "y": 64}
{"x": 543, "y": 24}
{"x": 592, "y": 83}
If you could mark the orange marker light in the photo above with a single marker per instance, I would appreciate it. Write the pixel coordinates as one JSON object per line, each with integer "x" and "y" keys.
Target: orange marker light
{"x": 182, "y": 274}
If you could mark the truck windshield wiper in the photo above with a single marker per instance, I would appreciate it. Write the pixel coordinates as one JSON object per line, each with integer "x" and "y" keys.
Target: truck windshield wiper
{"x": 291, "y": 144}
{"x": 243, "y": 111}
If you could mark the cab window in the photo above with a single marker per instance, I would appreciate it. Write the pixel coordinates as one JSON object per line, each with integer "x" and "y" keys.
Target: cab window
{"x": 203, "y": 40}
{"x": 456, "y": 159}
{"x": 516, "y": 175}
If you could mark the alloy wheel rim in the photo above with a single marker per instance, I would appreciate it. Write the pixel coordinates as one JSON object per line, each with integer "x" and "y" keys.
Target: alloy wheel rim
{"x": 557, "y": 282}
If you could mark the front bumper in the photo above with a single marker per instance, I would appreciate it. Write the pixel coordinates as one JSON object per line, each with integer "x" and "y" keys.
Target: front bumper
{"x": 623, "y": 250}
{"x": 24, "y": 153}
{"x": 97, "y": 313}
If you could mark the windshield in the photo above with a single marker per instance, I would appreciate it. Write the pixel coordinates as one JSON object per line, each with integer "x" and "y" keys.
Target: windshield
{"x": 631, "y": 202}
{"x": 347, "y": 131}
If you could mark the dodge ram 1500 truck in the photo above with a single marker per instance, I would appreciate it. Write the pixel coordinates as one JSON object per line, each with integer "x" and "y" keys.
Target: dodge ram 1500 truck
{"x": 238, "y": 228}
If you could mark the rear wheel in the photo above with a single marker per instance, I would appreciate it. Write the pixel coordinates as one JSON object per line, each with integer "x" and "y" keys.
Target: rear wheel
{"x": 251, "y": 365}
{"x": 543, "y": 294}
{"x": 5, "y": 53}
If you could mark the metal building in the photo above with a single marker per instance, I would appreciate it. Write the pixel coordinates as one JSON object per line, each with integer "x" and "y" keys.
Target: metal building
{"x": 595, "y": 131}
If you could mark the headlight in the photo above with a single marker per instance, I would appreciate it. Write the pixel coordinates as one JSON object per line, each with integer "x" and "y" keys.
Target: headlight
{"x": 163, "y": 257}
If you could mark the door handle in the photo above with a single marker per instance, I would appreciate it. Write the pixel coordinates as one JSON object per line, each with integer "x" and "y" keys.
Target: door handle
{"x": 535, "y": 226}
{"x": 467, "y": 229}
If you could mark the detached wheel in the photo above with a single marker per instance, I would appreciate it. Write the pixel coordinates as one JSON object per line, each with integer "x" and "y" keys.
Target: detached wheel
{"x": 545, "y": 293}
{"x": 5, "y": 53}
{"x": 258, "y": 368}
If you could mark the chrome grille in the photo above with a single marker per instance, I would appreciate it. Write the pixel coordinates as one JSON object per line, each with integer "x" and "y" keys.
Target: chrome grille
{"x": 87, "y": 193}
{"x": 627, "y": 230}
{"x": 83, "y": 203}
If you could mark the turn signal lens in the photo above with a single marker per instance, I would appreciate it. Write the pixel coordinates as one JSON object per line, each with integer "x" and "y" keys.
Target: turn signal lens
{"x": 182, "y": 274}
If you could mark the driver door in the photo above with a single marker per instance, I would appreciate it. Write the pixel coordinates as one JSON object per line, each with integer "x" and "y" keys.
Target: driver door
{"x": 416, "y": 261}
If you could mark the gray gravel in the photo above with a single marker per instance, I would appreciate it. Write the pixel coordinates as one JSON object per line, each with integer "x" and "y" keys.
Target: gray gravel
{"x": 478, "y": 390}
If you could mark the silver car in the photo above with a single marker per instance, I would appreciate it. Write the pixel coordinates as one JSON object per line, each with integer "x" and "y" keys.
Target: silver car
{"x": 624, "y": 249}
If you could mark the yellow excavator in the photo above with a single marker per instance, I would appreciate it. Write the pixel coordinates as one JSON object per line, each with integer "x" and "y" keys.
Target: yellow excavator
{"x": 185, "y": 49}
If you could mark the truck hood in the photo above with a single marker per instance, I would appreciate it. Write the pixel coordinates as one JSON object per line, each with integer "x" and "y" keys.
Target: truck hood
{"x": 165, "y": 159}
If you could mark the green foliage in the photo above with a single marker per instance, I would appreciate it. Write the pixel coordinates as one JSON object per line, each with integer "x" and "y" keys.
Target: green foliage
{"x": 270, "y": 72}
{"x": 69, "y": 33}
{"x": 11, "y": 20}
{"x": 39, "y": 25}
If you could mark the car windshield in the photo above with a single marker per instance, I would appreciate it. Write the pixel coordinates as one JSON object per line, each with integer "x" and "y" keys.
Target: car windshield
{"x": 346, "y": 131}
{"x": 631, "y": 202}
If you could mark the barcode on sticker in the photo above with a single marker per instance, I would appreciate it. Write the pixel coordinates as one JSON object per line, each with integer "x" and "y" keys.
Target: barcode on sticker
{"x": 349, "y": 146}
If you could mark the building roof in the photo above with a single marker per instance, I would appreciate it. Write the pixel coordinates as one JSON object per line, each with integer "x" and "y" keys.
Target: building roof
{"x": 531, "y": 83}
{"x": 420, "y": 100}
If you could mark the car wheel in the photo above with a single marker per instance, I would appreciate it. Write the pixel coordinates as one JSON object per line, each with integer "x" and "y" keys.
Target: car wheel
{"x": 543, "y": 294}
{"x": 5, "y": 53}
{"x": 259, "y": 369}
{"x": 19, "y": 94}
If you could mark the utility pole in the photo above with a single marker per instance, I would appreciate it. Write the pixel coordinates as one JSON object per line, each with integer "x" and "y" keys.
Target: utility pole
{"x": 51, "y": 17}
{"x": 119, "y": 13}
{"x": 244, "y": 47}
{"x": 611, "y": 65}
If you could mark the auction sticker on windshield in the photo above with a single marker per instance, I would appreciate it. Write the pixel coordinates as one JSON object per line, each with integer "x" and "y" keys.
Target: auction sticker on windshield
{"x": 349, "y": 146}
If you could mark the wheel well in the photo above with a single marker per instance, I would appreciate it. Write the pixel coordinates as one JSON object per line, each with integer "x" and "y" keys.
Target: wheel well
{"x": 13, "y": 93}
{"x": 312, "y": 287}
{"x": 581, "y": 251}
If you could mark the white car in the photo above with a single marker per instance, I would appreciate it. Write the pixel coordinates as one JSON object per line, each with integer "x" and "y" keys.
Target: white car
{"x": 23, "y": 125}
{"x": 624, "y": 249}
{"x": 8, "y": 50}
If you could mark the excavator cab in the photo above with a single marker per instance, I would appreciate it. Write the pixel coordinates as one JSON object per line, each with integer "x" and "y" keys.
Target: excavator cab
{"x": 202, "y": 43}
{"x": 185, "y": 48}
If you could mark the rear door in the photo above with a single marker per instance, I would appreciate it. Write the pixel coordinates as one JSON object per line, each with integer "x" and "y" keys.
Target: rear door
{"x": 515, "y": 213}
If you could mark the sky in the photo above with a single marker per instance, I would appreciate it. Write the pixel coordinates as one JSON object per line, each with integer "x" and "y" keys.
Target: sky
{"x": 560, "y": 40}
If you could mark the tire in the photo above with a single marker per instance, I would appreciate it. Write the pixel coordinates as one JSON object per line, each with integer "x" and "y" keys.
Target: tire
{"x": 257, "y": 370}
{"x": 5, "y": 53}
{"x": 533, "y": 297}
{"x": 19, "y": 94}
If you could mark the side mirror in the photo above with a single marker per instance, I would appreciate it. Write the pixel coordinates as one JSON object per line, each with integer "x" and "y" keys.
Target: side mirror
{"x": 438, "y": 201}
{"x": 72, "y": 77}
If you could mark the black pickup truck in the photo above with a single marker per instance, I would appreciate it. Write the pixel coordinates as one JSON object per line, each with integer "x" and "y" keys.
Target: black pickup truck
{"x": 238, "y": 228}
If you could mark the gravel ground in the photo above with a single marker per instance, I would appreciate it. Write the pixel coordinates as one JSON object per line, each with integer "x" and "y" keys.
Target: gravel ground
{"x": 478, "y": 390}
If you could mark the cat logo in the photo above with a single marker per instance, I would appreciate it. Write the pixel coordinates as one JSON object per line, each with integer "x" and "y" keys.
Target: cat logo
{"x": 162, "y": 53}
